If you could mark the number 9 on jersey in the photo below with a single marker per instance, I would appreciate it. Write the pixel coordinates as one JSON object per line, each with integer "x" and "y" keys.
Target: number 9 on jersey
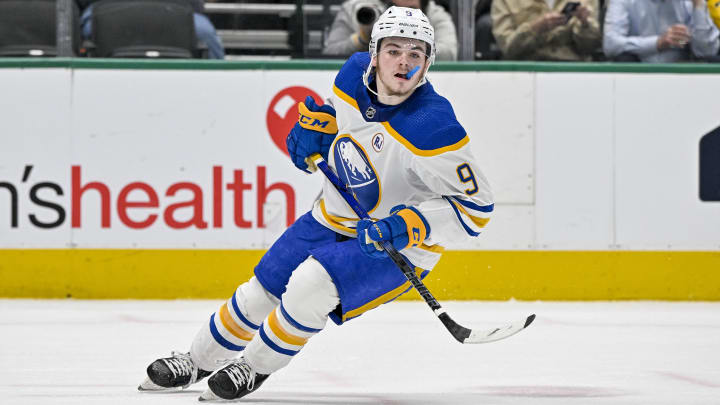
{"x": 466, "y": 175}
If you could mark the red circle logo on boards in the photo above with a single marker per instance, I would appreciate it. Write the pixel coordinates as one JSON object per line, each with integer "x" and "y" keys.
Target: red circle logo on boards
{"x": 282, "y": 113}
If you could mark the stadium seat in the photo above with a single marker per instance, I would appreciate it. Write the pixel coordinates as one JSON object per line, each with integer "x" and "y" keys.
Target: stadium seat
{"x": 143, "y": 29}
{"x": 28, "y": 28}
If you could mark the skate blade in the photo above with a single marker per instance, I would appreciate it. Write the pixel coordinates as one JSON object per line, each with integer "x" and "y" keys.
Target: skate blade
{"x": 208, "y": 395}
{"x": 148, "y": 385}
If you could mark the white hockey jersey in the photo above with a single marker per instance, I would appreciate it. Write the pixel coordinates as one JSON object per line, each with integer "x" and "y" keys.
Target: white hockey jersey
{"x": 415, "y": 153}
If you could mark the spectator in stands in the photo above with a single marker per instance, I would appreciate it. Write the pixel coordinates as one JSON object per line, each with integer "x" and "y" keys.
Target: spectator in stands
{"x": 539, "y": 30}
{"x": 714, "y": 9}
{"x": 204, "y": 29}
{"x": 348, "y": 35}
{"x": 659, "y": 31}
{"x": 485, "y": 45}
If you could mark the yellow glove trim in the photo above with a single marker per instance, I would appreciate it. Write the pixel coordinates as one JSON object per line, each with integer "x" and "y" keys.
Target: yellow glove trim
{"x": 316, "y": 121}
{"x": 415, "y": 228}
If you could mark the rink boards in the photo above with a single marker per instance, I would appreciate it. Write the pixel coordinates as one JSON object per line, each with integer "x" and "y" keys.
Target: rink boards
{"x": 460, "y": 275}
{"x": 126, "y": 179}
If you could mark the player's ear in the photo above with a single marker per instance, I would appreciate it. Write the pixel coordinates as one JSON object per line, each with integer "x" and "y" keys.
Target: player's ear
{"x": 373, "y": 61}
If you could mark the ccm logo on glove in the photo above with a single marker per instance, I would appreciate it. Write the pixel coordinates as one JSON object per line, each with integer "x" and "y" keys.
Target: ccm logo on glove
{"x": 317, "y": 120}
{"x": 313, "y": 133}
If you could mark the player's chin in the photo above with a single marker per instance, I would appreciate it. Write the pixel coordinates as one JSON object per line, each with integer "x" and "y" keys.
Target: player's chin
{"x": 402, "y": 83}
{"x": 398, "y": 90}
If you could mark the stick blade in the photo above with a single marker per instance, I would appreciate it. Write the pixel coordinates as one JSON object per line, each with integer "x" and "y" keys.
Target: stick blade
{"x": 495, "y": 334}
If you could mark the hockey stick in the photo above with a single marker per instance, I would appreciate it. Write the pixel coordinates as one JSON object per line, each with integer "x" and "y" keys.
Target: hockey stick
{"x": 459, "y": 332}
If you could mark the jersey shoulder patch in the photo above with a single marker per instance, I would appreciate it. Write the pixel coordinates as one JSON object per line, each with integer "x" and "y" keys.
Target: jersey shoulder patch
{"x": 427, "y": 126}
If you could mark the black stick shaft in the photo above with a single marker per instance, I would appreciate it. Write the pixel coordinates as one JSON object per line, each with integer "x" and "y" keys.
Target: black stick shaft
{"x": 459, "y": 332}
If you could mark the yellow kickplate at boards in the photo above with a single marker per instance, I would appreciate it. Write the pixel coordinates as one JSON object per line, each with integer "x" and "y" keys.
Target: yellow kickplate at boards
{"x": 460, "y": 275}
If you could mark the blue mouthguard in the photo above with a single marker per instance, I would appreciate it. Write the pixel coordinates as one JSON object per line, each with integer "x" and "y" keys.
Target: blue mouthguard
{"x": 412, "y": 72}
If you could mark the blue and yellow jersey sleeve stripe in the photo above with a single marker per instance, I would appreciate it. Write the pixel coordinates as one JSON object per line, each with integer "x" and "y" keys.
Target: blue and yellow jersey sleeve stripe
{"x": 472, "y": 217}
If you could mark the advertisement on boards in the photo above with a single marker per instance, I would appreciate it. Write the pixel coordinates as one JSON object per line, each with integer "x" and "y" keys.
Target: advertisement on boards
{"x": 183, "y": 159}
{"x": 155, "y": 166}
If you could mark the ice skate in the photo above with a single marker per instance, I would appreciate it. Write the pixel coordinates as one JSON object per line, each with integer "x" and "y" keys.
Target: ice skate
{"x": 172, "y": 372}
{"x": 233, "y": 381}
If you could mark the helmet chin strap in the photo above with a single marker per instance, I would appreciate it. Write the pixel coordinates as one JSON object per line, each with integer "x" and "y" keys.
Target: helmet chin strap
{"x": 371, "y": 70}
{"x": 366, "y": 78}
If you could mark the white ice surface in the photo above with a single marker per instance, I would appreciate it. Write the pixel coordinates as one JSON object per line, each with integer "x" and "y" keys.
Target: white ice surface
{"x": 95, "y": 352}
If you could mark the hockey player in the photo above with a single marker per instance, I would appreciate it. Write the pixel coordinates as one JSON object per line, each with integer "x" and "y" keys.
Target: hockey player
{"x": 397, "y": 144}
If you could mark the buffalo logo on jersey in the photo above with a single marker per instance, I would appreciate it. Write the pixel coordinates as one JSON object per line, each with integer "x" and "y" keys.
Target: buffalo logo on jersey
{"x": 355, "y": 170}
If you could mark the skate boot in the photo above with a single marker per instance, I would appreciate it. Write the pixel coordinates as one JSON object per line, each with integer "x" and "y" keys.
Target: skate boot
{"x": 233, "y": 381}
{"x": 172, "y": 372}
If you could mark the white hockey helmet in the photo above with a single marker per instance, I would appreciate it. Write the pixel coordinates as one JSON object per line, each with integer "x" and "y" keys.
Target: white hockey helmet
{"x": 406, "y": 23}
{"x": 402, "y": 22}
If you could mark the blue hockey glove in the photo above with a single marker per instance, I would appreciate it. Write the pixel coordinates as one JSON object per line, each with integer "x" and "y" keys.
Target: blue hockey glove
{"x": 406, "y": 227}
{"x": 313, "y": 133}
